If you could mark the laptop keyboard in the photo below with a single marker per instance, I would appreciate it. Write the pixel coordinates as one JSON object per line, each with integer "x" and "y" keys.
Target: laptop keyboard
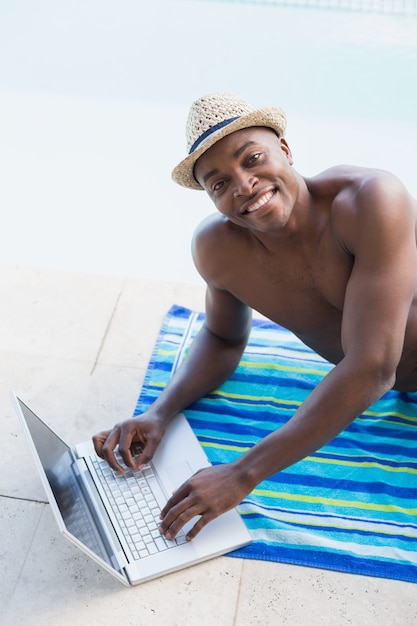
{"x": 134, "y": 502}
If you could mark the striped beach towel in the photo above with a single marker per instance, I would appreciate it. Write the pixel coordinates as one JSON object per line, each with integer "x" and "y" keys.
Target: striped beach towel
{"x": 352, "y": 505}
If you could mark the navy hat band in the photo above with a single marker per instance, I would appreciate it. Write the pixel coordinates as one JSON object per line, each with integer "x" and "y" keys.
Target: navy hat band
{"x": 210, "y": 131}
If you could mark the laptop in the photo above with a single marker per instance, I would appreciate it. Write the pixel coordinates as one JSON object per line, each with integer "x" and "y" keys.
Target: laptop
{"x": 115, "y": 519}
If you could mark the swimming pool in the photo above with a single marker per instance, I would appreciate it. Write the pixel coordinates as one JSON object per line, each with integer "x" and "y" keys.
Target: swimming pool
{"x": 94, "y": 100}
{"x": 386, "y": 7}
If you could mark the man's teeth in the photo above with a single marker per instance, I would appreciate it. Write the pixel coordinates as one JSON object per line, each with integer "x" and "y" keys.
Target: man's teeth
{"x": 260, "y": 202}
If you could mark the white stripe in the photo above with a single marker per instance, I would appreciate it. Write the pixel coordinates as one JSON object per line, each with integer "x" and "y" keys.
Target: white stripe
{"x": 331, "y": 521}
{"x": 305, "y": 539}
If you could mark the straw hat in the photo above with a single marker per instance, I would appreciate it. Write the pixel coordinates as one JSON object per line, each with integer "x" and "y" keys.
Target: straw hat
{"x": 213, "y": 117}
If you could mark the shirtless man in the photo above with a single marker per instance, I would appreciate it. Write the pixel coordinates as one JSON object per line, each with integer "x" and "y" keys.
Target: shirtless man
{"x": 332, "y": 258}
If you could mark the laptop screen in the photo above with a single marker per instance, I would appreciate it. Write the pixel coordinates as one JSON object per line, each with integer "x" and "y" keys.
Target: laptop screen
{"x": 58, "y": 466}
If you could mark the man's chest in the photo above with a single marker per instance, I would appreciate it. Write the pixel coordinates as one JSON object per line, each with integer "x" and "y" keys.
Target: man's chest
{"x": 303, "y": 291}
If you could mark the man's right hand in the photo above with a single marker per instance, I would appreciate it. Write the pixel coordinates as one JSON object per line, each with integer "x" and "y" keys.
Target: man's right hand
{"x": 145, "y": 429}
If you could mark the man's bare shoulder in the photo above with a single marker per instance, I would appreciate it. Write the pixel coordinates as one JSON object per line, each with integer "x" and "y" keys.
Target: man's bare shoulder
{"x": 348, "y": 180}
{"x": 363, "y": 200}
{"x": 215, "y": 242}
{"x": 212, "y": 225}
{"x": 351, "y": 191}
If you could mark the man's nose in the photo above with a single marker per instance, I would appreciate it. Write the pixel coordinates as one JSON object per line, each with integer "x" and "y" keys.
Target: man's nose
{"x": 245, "y": 183}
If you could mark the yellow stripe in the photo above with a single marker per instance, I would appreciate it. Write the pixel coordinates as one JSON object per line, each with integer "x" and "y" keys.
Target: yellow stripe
{"x": 361, "y": 464}
{"x": 345, "y": 463}
{"x": 386, "y": 508}
{"x": 385, "y": 415}
{"x": 158, "y": 385}
{"x": 240, "y": 396}
{"x": 296, "y": 403}
{"x": 284, "y": 368}
{"x": 164, "y": 351}
{"x": 207, "y": 444}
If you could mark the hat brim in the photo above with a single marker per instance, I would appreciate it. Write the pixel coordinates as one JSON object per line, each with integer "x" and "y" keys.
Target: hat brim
{"x": 272, "y": 117}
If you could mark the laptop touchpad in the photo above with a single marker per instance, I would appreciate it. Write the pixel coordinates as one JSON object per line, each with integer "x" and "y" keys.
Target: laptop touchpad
{"x": 178, "y": 473}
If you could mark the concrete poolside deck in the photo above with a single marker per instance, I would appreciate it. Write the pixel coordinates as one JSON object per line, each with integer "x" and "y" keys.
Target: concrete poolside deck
{"x": 75, "y": 347}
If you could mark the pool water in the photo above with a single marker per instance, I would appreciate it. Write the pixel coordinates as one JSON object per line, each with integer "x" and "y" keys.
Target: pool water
{"x": 94, "y": 97}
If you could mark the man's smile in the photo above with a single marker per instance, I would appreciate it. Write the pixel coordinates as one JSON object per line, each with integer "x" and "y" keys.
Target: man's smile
{"x": 259, "y": 203}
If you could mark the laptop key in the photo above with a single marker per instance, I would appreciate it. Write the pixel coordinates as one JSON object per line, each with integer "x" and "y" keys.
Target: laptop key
{"x": 180, "y": 539}
{"x": 160, "y": 544}
{"x": 137, "y": 499}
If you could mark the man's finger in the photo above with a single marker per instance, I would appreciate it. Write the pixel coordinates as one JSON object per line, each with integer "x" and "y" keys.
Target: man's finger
{"x": 199, "y": 525}
{"x": 172, "y": 524}
{"x": 179, "y": 495}
{"x": 125, "y": 442}
{"x": 98, "y": 441}
{"x": 147, "y": 452}
{"x": 108, "y": 450}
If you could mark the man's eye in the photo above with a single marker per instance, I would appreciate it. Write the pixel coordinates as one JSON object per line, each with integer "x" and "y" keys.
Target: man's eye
{"x": 254, "y": 157}
{"x": 218, "y": 185}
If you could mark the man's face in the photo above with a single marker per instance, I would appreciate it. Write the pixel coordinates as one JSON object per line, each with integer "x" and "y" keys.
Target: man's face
{"x": 249, "y": 177}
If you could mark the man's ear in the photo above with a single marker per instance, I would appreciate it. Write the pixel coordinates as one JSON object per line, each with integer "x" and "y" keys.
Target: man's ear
{"x": 286, "y": 150}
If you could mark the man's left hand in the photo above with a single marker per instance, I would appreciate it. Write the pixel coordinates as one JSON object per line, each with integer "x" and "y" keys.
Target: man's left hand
{"x": 208, "y": 493}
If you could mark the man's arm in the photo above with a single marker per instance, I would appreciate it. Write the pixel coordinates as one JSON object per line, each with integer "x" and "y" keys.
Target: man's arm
{"x": 212, "y": 358}
{"x": 213, "y": 355}
{"x": 380, "y": 232}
